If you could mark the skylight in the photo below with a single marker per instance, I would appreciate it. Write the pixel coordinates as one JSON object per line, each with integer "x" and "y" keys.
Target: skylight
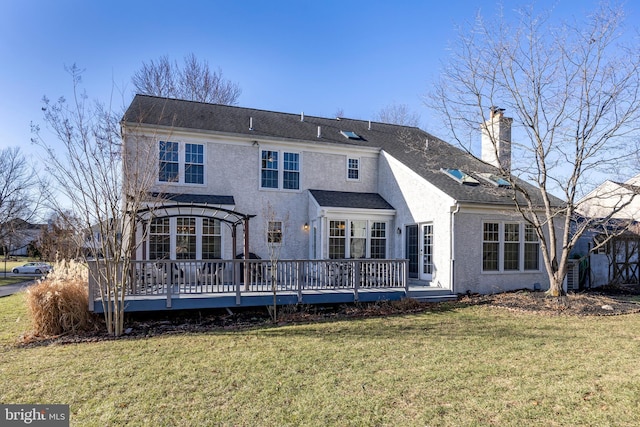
{"x": 461, "y": 177}
{"x": 495, "y": 180}
{"x": 350, "y": 134}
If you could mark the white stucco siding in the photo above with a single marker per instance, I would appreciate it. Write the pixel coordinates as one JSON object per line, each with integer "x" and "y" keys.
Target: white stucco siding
{"x": 469, "y": 275}
{"x": 416, "y": 202}
{"x": 232, "y": 168}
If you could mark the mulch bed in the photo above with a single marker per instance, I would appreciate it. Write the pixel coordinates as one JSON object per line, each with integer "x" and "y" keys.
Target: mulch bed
{"x": 574, "y": 304}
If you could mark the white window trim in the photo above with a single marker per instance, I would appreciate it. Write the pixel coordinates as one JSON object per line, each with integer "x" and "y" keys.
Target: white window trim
{"x": 348, "y": 221}
{"x": 182, "y": 164}
{"x": 359, "y": 168}
{"x": 173, "y": 237}
{"x": 281, "y": 242}
{"x": 280, "y": 170}
{"x": 501, "y": 242}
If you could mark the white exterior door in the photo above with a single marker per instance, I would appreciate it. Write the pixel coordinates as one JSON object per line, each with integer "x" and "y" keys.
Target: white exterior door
{"x": 425, "y": 258}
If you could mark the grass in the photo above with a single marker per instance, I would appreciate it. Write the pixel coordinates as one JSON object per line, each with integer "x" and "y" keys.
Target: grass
{"x": 15, "y": 279}
{"x": 461, "y": 366}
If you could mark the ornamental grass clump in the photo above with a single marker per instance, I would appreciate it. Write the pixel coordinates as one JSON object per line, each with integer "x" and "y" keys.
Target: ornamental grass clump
{"x": 57, "y": 303}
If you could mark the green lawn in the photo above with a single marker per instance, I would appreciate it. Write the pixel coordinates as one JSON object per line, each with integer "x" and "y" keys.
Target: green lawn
{"x": 15, "y": 279}
{"x": 462, "y": 366}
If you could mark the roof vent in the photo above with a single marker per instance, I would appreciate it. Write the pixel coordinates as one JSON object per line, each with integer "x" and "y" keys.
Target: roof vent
{"x": 302, "y": 116}
{"x": 319, "y": 132}
{"x": 250, "y": 123}
{"x": 369, "y": 125}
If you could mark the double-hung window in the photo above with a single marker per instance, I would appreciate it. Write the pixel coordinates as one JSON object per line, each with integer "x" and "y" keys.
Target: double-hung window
{"x": 211, "y": 239}
{"x": 490, "y": 246}
{"x": 510, "y": 246}
{"x": 291, "y": 172}
{"x": 269, "y": 172}
{"x": 274, "y": 233}
{"x": 353, "y": 169}
{"x": 181, "y": 163}
{"x": 194, "y": 164}
{"x": 337, "y": 239}
{"x": 169, "y": 158}
{"x": 378, "y": 243}
{"x": 531, "y": 248}
{"x": 159, "y": 239}
{"x": 278, "y": 174}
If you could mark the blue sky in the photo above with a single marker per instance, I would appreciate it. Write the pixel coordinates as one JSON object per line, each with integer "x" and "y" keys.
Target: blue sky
{"x": 318, "y": 57}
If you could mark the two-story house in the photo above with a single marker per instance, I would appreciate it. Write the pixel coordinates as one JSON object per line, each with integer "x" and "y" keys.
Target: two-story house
{"x": 328, "y": 188}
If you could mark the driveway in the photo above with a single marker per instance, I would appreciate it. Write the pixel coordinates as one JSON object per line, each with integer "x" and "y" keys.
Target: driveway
{"x": 7, "y": 290}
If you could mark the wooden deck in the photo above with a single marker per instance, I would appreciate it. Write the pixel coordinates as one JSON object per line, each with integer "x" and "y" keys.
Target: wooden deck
{"x": 182, "y": 285}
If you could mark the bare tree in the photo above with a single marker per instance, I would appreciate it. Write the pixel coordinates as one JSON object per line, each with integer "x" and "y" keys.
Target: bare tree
{"x": 194, "y": 81}
{"x": 573, "y": 90}
{"x": 103, "y": 192}
{"x": 276, "y": 229}
{"x": 59, "y": 238}
{"x": 398, "y": 114}
{"x": 19, "y": 196}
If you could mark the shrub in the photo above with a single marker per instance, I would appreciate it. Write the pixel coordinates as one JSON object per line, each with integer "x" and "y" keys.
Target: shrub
{"x": 57, "y": 304}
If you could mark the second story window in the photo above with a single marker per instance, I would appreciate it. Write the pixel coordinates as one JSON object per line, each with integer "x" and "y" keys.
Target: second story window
{"x": 169, "y": 161}
{"x": 180, "y": 163}
{"x": 279, "y": 174}
{"x": 353, "y": 169}
{"x": 291, "y": 174}
{"x": 269, "y": 173}
{"x": 194, "y": 164}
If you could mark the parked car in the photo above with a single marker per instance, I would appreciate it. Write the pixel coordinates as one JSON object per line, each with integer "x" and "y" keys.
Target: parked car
{"x": 33, "y": 268}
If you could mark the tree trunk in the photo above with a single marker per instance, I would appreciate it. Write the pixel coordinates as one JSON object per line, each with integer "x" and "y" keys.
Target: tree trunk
{"x": 556, "y": 288}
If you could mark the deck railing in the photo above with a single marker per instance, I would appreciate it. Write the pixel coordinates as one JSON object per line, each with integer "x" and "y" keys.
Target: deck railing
{"x": 173, "y": 277}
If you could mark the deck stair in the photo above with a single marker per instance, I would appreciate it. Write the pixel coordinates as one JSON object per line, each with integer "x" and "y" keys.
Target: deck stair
{"x": 430, "y": 294}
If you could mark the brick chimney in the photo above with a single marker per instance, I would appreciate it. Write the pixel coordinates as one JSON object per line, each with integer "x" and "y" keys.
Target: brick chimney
{"x": 496, "y": 140}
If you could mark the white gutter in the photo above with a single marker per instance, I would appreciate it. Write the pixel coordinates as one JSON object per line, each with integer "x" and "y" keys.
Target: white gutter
{"x": 452, "y": 259}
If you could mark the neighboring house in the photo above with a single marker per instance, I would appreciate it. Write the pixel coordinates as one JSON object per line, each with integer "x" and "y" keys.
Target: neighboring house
{"x": 18, "y": 236}
{"x": 325, "y": 188}
{"x": 92, "y": 240}
{"x": 609, "y": 249}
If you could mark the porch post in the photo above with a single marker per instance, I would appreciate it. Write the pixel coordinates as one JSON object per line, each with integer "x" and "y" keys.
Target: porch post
{"x": 299, "y": 267}
{"x": 234, "y": 249}
{"x": 246, "y": 253}
{"x": 356, "y": 273}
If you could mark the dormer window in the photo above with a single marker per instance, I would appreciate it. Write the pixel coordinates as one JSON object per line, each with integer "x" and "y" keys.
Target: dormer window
{"x": 461, "y": 176}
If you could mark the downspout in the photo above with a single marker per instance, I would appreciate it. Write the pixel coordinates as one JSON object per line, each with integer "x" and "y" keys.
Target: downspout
{"x": 452, "y": 227}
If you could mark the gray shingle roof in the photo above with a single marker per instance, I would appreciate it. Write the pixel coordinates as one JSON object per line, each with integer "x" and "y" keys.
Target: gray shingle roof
{"x": 200, "y": 199}
{"x": 345, "y": 199}
{"x": 407, "y": 144}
